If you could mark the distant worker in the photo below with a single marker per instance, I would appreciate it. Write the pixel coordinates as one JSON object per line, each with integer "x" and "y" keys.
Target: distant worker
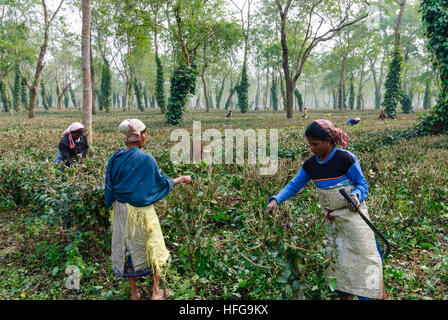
{"x": 305, "y": 113}
{"x": 353, "y": 121}
{"x": 382, "y": 115}
{"x": 73, "y": 145}
{"x": 229, "y": 114}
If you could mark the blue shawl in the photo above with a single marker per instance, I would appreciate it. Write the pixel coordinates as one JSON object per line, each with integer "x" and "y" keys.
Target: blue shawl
{"x": 133, "y": 177}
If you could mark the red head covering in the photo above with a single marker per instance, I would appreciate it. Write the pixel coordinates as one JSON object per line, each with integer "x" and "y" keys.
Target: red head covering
{"x": 338, "y": 136}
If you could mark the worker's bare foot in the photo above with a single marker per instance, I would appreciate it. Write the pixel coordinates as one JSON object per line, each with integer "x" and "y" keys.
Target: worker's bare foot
{"x": 137, "y": 296}
{"x": 384, "y": 297}
{"x": 161, "y": 294}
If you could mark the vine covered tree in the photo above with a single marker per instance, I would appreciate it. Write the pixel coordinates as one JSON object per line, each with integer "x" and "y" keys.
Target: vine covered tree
{"x": 160, "y": 91}
{"x": 274, "y": 98}
{"x": 106, "y": 87}
{"x": 435, "y": 19}
{"x": 351, "y": 98}
{"x": 139, "y": 95}
{"x": 242, "y": 91}
{"x": 393, "y": 85}
{"x": 43, "y": 94}
{"x": 299, "y": 99}
{"x": 393, "y": 80}
{"x": 406, "y": 103}
{"x": 17, "y": 88}
{"x": 427, "y": 96}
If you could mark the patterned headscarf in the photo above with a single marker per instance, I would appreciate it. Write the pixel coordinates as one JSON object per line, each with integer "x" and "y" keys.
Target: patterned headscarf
{"x": 132, "y": 129}
{"x": 75, "y": 126}
{"x": 338, "y": 136}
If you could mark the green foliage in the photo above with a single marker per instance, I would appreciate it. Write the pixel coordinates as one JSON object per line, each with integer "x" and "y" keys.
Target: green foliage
{"x": 299, "y": 99}
{"x": 43, "y": 94}
{"x": 97, "y": 95}
{"x": 50, "y": 99}
{"x": 72, "y": 96}
{"x": 351, "y": 97}
{"x": 106, "y": 87}
{"x": 17, "y": 88}
{"x": 6, "y": 100}
{"x": 435, "y": 21}
{"x": 342, "y": 100}
{"x": 274, "y": 99}
{"x": 406, "y": 103}
{"x": 24, "y": 94}
{"x": 411, "y": 95}
{"x": 160, "y": 91}
{"x": 219, "y": 93}
{"x": 145, "y": 98}
{"x": 427, "y": 97}
{"x": 183, "y": 83}
{"x": 242, "y": 90}
{"x": 61, "y": 195}
{"x": 393, "y": 85}
{"x": 138, "y": 95}
{"x": 66, "y": 100}
{"x": 377, "y": 99}
{"x": 358, "y": 102}
{"x": 222, "y": 245}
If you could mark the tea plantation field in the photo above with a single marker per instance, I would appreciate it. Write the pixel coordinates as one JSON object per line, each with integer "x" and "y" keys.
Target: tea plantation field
{"x": 222, "y": 245}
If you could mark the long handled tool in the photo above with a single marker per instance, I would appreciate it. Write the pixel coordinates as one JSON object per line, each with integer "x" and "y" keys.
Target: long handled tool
{"x": 350, "y": 200}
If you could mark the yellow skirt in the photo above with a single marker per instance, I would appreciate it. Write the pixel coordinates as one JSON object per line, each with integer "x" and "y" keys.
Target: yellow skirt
{"x": 136, "y": 232}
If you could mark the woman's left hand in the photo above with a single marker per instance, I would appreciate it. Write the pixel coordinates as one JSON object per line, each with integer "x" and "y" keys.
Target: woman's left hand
{"x": 355, "y": 199}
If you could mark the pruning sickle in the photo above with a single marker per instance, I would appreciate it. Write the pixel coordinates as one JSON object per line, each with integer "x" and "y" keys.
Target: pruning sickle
{"x": 350, "y": 200}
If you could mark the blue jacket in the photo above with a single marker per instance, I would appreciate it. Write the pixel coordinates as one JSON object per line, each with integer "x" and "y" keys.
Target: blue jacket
{"x": 133, "y": 177}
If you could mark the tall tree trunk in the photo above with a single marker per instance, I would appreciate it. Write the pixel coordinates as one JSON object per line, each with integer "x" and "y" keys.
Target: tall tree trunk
{"x": 92, "y": 74}
{"x": 265, "y": 99}
{"x": 125, "y": 100}
{"x": 40, "y": 60}
{"x": 257, "y": 94}
{"x": 232, "y": 91}
{"x": 290, "y": 82}
{"x": 219, "y": 93}
{"x": 204, "y": 85}
{"x": 86, "y": 68}
{"x": 282, "y": 89}
{"x": 342, "y": 79}
{"x": 4, "y": 94}
{"x": 397, "y": 26}
{"x": 335, "y": 104}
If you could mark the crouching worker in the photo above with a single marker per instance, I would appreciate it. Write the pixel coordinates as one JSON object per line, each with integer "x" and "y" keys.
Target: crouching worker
{"x": 73, "y": 145}
{"x": 133, "y": 184}
{"x": 354, "y": 255}
{"x": 352, "y": 121}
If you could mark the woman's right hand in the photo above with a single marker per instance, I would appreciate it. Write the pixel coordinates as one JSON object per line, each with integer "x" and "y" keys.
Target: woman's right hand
{"x": 271, "y": 207}
{"x": 187, "y": 179}
{"x": 183, "y": 179}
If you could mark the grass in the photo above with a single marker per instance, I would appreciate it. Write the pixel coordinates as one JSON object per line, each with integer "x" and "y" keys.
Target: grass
{"x": 221, "y": 244}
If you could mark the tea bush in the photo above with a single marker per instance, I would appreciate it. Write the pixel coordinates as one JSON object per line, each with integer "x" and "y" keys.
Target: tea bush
{"x": 223, "y": 247}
